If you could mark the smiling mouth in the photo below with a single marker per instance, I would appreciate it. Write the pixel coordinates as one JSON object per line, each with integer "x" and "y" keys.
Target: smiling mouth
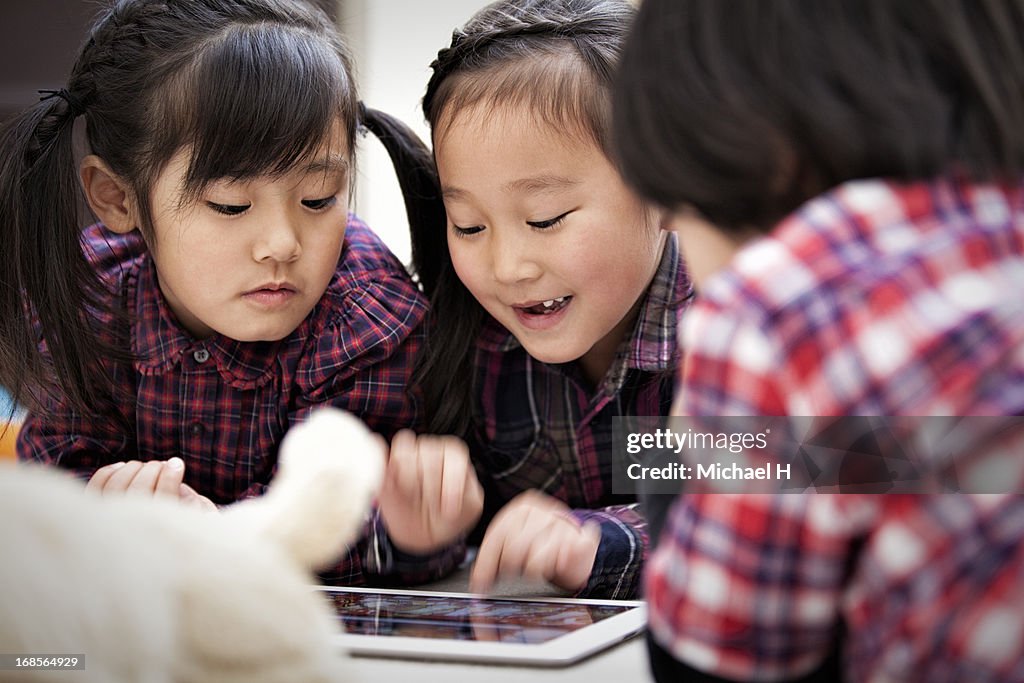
{"x": 546, "y": 307}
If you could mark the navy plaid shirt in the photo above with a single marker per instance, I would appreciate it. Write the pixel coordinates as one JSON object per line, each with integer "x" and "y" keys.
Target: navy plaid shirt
{"x": 224, "y": 406}
{"x": 541, "y": 427}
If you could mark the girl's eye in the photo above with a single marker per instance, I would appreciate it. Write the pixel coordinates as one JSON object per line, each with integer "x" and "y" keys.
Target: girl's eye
{"x": 466, "y": 232}
{"x": 320, "y": 204}
{"x": 550, "y": 223}
{"x": 229, "y": 209}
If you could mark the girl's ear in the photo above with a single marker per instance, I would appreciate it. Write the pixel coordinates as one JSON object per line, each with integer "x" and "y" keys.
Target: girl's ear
{"x": 108, "y": 195}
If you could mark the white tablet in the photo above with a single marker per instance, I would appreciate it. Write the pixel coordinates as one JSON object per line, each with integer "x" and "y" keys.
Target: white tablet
{"x": 460, "y": 626}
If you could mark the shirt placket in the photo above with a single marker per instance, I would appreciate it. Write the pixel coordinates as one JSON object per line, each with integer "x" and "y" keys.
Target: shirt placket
{"x": 199, "y": 380}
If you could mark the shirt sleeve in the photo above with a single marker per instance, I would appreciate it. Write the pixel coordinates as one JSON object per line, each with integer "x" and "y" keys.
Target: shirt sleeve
{"x": 65, "y": 439}
{"x": 389, "y": 565}
{"x": 621, "y": 553}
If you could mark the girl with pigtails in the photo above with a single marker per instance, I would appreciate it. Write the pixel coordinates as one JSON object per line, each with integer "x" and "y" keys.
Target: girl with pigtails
{"x": 554, "y": 296}
{"x": 226, "y": 291}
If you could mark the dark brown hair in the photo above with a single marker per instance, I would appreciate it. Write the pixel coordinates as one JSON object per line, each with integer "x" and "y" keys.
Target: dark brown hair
{"x": 744, "y": 110}
{"x": 250, "y": 86}
{"x": 557, "y": 57}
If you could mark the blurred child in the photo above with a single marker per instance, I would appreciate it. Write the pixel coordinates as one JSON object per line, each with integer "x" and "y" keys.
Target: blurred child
{"x": 849, "y": 177}
{"x": 227, "y": 291}
{"x": 554, "y": 292}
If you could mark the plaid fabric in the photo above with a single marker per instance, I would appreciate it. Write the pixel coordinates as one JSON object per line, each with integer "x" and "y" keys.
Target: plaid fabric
{"x": 223, "y": 406}
{"x": 876, "y": 299}
{"x": 541, "y": 426}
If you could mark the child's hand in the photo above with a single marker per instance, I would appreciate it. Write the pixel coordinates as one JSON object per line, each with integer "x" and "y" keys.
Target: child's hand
{"x": 190, "y": 496}
{"x": 431, "y": 495}
{"x": 156, "y": 477}
{"x": 535, "y": 536}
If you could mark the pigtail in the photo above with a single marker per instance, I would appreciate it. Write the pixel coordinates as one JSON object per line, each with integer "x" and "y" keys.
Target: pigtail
{"x": 45, "y": 279}
{"x": 446, "y": 344}
{"x": 445, "y": 370}
{"x": 414, "y": 166}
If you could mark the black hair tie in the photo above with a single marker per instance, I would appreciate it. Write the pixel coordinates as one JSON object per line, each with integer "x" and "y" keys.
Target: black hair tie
{"x": 75, "y": 106}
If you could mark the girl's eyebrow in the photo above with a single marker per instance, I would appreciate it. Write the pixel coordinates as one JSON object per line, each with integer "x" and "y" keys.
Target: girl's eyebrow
{"x": 332, "y": 163}
{"x": 540, "y": 183}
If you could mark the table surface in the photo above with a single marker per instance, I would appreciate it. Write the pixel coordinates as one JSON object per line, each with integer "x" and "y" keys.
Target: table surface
{"x": 626, "y": 661}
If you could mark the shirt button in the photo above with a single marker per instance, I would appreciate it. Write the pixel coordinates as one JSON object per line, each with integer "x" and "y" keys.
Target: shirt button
{"x": 196, "y": 428}
{"x": 201, "y": 355}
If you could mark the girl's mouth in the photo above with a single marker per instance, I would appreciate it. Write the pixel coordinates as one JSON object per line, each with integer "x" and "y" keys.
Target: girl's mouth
{"x": 547, "y": 307}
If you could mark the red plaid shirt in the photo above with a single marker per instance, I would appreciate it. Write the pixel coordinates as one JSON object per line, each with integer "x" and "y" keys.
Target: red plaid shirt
{"x": 875, "y": 299}
{"x": 222, "y": 405}
{"x": 542, "y": 427}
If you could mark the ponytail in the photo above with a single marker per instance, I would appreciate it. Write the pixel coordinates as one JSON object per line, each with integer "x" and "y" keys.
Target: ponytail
{"x": 46, "y": 279}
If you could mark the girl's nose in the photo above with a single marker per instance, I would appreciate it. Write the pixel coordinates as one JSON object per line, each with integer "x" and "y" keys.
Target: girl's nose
{"x": 278, "y": 242}
{"x": 512, "y": 261}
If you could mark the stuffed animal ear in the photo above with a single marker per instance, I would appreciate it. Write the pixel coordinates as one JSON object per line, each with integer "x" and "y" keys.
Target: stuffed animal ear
{"x": 331, "y": 467}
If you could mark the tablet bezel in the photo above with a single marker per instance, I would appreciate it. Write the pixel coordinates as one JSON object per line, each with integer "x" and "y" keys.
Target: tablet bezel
{"x": 559, "y": 651}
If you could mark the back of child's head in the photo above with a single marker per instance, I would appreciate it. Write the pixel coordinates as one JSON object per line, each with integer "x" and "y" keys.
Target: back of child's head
{"x": 557, "y": 58}
{"x": 246, "y": 87}
{"x": 745, "y": 110}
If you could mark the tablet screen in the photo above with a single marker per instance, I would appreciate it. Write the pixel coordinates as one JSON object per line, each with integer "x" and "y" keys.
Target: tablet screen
{"x": 463, "y": 617}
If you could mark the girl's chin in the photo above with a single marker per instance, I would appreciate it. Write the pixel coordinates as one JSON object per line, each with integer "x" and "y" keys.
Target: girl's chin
{"x": 546, "y": 354}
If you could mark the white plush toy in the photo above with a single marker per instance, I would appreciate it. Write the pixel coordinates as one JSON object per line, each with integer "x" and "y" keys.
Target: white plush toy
{"x": 154, "y": 591}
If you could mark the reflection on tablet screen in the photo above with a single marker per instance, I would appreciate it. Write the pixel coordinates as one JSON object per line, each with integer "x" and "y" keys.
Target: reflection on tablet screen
{"x": 463, "y": 618}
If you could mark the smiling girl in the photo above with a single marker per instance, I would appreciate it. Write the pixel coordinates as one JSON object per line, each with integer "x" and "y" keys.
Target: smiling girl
{"x": 554, "y": 290}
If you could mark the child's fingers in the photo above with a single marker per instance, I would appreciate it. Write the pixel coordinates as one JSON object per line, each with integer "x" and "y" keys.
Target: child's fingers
{"x": 429, "y": 475}
{"x": 488, "y": 560}
{"x": 515, "y": 548}
{"x": 120, "y": 479}
{"x": 473, "y": 495}
{"x": 170, "y": 478}
{"x": 575, "y": 558}
{"x": 403, "y": 442}
{"x": 145, "y": 479}
{"x": 403, "y": 471}
{"x": 190, "y": 496}
{"x": 542, "y": 557}
{"x": 534, "y": 551}
{"x": 100, "y": 477}
{"x": 186, "y": 493}
{"x": 506, "y": 544}
{"x": 454, "y": 481}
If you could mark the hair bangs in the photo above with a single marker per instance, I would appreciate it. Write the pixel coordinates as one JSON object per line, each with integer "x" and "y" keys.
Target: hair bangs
{"x": 553, "y": 83}
{"x": 263, "y": 98}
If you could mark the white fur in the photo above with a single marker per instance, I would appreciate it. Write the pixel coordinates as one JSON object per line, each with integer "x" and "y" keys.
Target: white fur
{"x": 154, "y": 591}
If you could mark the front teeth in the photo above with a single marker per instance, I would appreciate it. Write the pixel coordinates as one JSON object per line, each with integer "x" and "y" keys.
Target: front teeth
{"x": 551, "y": 302}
